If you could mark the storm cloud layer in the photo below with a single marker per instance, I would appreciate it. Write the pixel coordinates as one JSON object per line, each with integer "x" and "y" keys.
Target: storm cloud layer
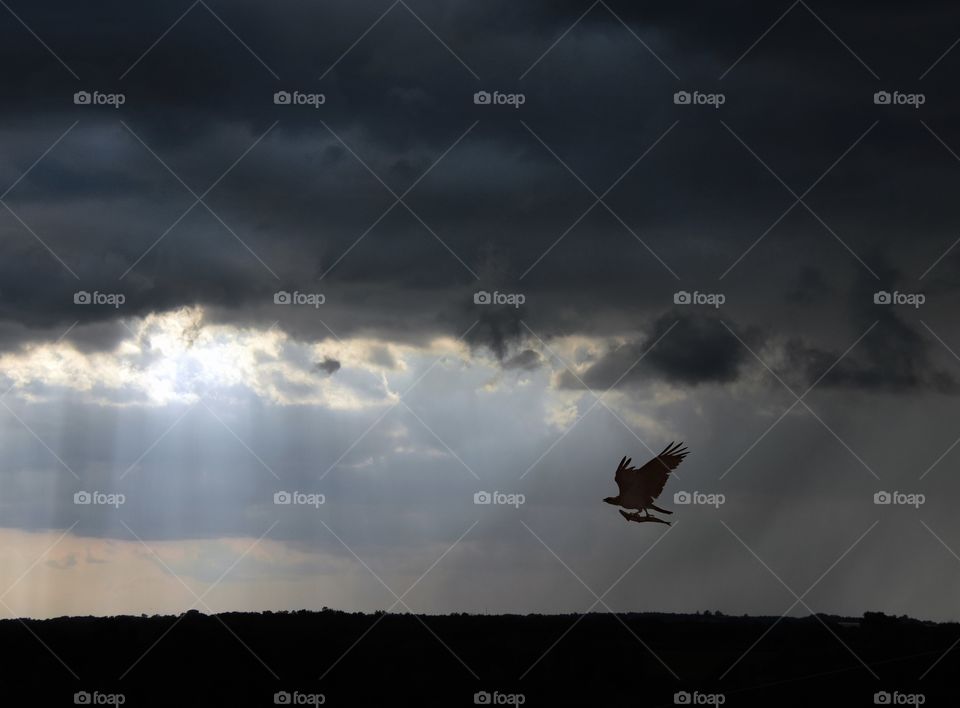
{"x": 400, "y": 254}
{"x": 512, "y": 206}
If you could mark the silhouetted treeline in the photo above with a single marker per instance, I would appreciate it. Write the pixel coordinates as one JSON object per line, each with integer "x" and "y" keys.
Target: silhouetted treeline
{"x": 239, "y": 659}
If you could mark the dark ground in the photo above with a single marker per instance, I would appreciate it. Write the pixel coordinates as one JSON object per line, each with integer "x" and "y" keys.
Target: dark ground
{"x": 238, "y": 659}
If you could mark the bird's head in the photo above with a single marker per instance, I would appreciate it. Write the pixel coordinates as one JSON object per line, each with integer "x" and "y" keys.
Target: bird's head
{"x": 610, "y": 500}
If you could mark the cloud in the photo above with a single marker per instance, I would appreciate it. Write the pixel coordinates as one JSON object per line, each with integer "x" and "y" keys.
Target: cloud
{"x": 899, "y": 362}
{"x": 697, "y": 349}
{"x": 382, "y": 356}
{"x": 65, "y": 563}
{"x": 499, "y": 204}
{"x": 680, "y": 349}
{"x": 182, "y": 356}
{"x": 329, "y": 365}
{"x": 528, "y": 359}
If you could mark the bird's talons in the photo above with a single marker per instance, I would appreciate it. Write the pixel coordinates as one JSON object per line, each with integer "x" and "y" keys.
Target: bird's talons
{"x": 640, "y": 518}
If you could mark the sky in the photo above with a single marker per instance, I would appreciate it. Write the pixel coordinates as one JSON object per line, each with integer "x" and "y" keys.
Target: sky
{"x": 384, "y": 261}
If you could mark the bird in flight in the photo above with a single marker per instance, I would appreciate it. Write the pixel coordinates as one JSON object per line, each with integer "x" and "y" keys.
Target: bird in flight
{"x": 639, "y": 487}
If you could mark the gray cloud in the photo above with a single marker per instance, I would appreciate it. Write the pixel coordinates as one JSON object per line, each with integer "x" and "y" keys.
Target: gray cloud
{"x": 527, "y": 359}
{"x": 682, "y": 349}
{"x": 67, "y": 562}
{"x": 300, "y": 199}
{"x": 381, "y": 356}
{"x": 328, "y": 365}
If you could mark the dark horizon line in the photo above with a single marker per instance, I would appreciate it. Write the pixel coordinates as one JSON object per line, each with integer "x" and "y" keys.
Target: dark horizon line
{"x": 874, "y": 615}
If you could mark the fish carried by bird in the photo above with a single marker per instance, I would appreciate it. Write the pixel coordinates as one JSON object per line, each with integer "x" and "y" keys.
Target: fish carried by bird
{"x": 638, "y": 487}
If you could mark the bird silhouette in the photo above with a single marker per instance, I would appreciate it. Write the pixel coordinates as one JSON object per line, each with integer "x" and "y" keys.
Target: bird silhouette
{"x": 639, "y": 487}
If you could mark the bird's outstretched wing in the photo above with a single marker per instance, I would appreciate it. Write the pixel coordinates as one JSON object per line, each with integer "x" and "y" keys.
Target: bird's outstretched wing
{"x": 654, "y": 474}
{"x": 625, "y": 476}
{"x": 652, "y": 477}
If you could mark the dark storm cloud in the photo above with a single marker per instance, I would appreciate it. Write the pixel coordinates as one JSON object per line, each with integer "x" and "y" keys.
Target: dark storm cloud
{"x": 682, "y": 349}
{"x": 897, "y": 352}
{"x": 496, "y": 326}
{"x": 527, "y": 360}
{"x": 328, "y": 365}
{"x": 809, "y": 286}
{"x": 698, "y": 350}
{"x": 900, "y": 363}
{"x": 295, "y": 206}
